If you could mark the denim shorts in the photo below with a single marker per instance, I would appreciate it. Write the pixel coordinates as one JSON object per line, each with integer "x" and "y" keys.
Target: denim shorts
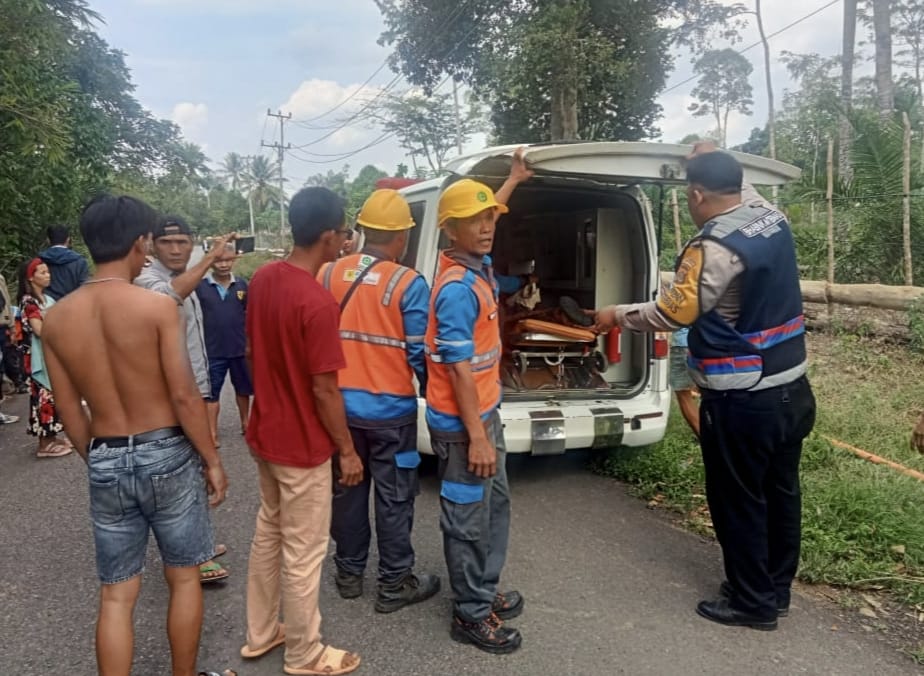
{"x": 155, "y": 486}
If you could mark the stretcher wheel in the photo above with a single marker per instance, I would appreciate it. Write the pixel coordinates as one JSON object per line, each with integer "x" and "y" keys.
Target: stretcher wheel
{"x": 521, "y": 362}
{"x": 596, "y": 362}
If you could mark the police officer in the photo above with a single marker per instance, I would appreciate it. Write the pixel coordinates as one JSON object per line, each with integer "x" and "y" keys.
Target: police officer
{"x": 737, "y": 286}
{"x": 384, "y": 307}
{"x": 463, "y": 394}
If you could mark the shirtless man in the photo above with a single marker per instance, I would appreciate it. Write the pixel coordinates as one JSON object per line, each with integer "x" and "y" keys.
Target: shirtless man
{"x": 146, "y": 440}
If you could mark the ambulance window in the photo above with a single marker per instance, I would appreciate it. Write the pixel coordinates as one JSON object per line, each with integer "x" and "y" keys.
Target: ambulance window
{"x": 418, "y": 209}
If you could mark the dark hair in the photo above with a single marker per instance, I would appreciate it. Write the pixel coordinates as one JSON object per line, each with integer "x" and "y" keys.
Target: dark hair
{"x": 25, "y": 288}
{"x": 58, "y": 234}
{"x": 380, "y": 237}
{"x": 312, "y": 212}
{"x": 111, "y": 225}
{"x": 717, "y": 172}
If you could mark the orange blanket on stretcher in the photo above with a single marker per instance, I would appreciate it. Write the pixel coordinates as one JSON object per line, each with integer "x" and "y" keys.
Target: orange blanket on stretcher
{"x": 552, "y": 331}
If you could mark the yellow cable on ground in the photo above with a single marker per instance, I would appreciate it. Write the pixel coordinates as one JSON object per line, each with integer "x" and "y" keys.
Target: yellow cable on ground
{"x": 879, "y": 460}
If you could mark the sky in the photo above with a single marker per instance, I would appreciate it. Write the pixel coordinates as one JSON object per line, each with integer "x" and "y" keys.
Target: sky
{"x": 216, "y": 66}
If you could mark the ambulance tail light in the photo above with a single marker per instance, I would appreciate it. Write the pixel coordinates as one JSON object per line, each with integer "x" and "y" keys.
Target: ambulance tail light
{"x": 662, "y": 345}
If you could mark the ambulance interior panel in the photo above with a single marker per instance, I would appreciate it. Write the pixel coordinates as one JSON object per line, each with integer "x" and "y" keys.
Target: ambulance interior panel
{"x": 579, "y": 244}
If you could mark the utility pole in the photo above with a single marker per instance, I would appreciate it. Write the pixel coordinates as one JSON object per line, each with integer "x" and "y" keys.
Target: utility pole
{"x": 281, "y": 147}
{"x": 253, "y": 231}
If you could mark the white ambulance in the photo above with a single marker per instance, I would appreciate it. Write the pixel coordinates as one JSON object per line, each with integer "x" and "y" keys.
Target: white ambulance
{"x": 585, "y": 227}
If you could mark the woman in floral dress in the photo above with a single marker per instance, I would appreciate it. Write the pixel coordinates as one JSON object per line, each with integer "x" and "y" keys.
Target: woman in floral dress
{"x": 43, "y": 418}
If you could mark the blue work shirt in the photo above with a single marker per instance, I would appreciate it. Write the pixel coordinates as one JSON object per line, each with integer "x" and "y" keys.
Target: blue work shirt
{"x": 223, "y": 312}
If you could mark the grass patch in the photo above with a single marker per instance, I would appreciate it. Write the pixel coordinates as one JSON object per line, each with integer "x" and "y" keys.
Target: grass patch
{"x": 863, "y": 524}
{"x": 248, "y": 263}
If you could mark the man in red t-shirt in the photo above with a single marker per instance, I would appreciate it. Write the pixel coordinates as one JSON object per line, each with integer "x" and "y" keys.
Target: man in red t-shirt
{"x": 297, "y": 425}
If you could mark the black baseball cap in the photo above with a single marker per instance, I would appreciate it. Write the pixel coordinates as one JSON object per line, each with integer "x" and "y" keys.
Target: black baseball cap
{"x": 171, "y": 225}
{"x": 716, "y": 171}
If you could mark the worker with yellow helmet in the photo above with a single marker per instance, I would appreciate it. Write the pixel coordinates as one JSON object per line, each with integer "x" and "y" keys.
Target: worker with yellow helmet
{"x": 463, "y": 344}
{"x": 384, "y": 307}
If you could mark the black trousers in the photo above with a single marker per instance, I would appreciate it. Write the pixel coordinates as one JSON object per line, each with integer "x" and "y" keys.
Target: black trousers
{"x": 752, "y": 445}
{"x": 390, "y": 459}
{"x": 12, "y": 359}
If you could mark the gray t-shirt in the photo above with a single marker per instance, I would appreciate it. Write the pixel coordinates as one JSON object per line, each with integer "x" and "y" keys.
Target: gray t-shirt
{"x": 157, "y": 277}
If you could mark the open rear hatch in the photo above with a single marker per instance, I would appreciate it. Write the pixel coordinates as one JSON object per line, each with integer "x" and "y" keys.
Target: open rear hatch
{"x": 582, "y": 227}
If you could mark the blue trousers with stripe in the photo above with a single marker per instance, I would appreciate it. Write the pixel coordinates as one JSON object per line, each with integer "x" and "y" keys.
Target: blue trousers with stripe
{"x": 474, "y": 519}
{"x": 390, "y": 459}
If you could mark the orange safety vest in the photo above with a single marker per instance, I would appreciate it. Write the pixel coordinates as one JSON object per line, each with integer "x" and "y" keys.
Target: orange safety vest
{"x": 485, "y": 362}
{"x": 371, "y": 325}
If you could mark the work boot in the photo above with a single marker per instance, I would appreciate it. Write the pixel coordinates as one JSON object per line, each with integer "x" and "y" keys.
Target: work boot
{"x": 489, "y": 634}
{"x": 507, "y": 605}
{"x": 409, "y": 589}
{"x": 349, "y": 585}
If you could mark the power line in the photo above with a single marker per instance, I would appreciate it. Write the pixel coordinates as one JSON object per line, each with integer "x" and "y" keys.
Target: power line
{"x": 453, "y": 16}
{"x": 281, "y": 148}
{"x": 752, "y": 46}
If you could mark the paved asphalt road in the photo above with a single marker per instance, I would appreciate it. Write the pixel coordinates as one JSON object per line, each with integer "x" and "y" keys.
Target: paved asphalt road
{"x": 610, "y": 587}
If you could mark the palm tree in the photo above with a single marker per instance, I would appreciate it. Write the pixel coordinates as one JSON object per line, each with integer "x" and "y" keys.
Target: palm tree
{"x": 189, "y": 162}
{"x": 233, "y": 169}
{"x": 850, "y": 37}
{"x": 882, "y": 31}
{"x": 260, "y": 182}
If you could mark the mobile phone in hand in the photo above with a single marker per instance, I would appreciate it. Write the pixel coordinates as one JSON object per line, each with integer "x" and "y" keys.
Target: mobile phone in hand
{"x": 244, "y": 245}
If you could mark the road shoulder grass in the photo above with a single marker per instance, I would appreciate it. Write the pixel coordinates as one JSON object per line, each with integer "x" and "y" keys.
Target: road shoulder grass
{"x": 863, "y": 524}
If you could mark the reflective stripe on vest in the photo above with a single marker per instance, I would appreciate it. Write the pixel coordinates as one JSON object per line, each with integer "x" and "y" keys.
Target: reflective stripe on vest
{"x": 372, "y": 325}
{"x": 770, "y": 337}
{"x": 485, "y": 362}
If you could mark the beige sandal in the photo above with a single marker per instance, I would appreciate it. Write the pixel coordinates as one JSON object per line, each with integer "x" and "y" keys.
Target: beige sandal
{"x": 249, "y": 653}
{"x": 331, "y": 662}
{"x": 54, "y": 450}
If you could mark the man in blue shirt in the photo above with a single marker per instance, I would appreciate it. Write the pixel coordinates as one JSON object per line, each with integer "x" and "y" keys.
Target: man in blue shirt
{"x": 223, "y": 298}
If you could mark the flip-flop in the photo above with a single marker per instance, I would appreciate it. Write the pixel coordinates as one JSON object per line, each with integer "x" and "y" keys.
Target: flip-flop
{"x": 55, "y": 450}
{"x": 226, "y": 672}
{"x": 220, "y": 550}
{"x": 249, "y": 653}
{"x": 331, "y": 662}
{"x": 212, "y": 572}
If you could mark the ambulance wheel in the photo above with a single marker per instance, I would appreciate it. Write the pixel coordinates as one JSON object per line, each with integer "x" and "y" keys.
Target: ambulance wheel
{"x": 600, "y": 362}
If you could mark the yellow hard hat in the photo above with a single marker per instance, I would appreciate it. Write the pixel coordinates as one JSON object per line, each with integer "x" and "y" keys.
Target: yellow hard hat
{"x": 385, "y": 210}
{"x": 466, "y": 198}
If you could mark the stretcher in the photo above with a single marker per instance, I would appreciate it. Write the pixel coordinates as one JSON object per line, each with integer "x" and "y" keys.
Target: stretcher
{"x": 551, "y": 355}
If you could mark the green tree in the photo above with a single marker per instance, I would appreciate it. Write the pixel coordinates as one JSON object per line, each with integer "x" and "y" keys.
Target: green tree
{"x": 261, "y": 182}
{"x": 723, "y": 87}
{"x": 233, "y": 168}
{"x": 426, "y": 126}
{"x": 550, "y": 69}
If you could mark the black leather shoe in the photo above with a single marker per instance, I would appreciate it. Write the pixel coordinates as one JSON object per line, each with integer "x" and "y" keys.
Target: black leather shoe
{"x": 409, "y": 589}
{"x": 489, "y": 635}
{"x": 349, "y": 585}
{"x": 719, "y": 611}
{"x": 508, "y": 605}
{"x": 726, "y": 592}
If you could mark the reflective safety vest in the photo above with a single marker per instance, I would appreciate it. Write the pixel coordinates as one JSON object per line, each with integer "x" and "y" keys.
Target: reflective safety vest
{"x": 485, "y": 362}
{"x": 766, "y": 346}
{"x": 372, "y": 325}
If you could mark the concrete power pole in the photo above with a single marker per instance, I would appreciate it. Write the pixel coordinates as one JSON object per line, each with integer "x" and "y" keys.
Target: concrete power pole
{"x": 281, "y": 147}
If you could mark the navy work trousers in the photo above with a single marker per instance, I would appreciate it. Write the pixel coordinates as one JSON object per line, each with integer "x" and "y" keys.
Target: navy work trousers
{"x": 752, "y": 446}
{"x": 475, "y": 520}
{"x": 390, "y": 460}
